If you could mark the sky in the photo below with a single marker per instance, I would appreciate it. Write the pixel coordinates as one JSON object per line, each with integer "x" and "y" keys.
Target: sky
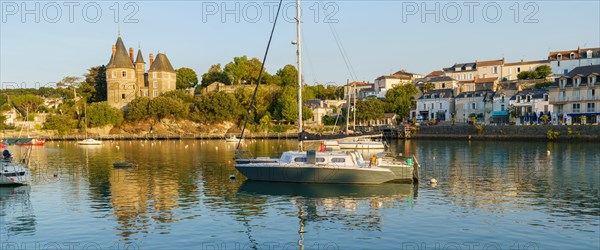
{"x": 43, "y": 41}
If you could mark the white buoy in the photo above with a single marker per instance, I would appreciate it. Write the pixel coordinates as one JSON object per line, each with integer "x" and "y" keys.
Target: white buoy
{"x": 216, "y": 148}
{"x": 231, "y": 176}
{"x": 186, "y": 146}
{"x": 433, "y": 181}
{"x": 548, "y": 152}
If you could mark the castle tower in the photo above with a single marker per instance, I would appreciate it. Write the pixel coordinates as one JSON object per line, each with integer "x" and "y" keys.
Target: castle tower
{"x": 161, "y": 76}
{"x": 120, "y": 76}
{"x": 140, "y": 69}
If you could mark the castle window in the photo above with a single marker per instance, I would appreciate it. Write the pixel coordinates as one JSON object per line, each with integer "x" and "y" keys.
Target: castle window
{"x": 155, "y": 84}
{"x": 155, "y": 93}
{"x": 114, "y": 74}
{"x": 124, "y": 73}
{"x": 153, "y": 74}
{"x": 123, "y": 96}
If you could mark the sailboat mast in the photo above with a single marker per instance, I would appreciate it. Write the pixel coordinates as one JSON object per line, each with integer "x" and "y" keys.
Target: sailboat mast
{"x": 299, "y": 54}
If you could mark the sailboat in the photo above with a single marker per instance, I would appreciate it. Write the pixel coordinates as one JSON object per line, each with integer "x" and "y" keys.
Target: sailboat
{"x": 311, "y": 166}
{"x": 88, "y": 141}
{"x": 15, "y": 172}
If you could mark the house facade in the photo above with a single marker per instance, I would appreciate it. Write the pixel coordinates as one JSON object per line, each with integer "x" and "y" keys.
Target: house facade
{"x": 436, "y": 104}
{"x": 510, "y": 71}
{"x": 438, "y": 82}
{"x": 384, "y": 83}
{"x": 562, "y": 62}
{"x": 490, "y": 69}
{"x": 576, "y": 95}
{"x": 473, "y": 103}
{"x": 530, "y": 105}
{"x": 461, "y": 71}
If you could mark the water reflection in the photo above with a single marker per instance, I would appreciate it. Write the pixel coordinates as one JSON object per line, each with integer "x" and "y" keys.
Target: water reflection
{"x": 16, "y": 213}
{"x": 183, "y": 186}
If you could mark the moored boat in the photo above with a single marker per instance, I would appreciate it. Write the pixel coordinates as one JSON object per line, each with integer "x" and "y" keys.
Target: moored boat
{"x": 90, "y": 141}
{"x": 13, "y": 172}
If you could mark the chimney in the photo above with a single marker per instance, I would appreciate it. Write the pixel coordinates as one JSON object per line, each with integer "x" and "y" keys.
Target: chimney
{"x": 114, "y": 50}
{"x": 151, "y": 58}
{"x": 131, "y": 54}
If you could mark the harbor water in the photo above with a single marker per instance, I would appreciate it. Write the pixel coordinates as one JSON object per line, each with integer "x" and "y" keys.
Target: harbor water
{"x": 489, "y": 195}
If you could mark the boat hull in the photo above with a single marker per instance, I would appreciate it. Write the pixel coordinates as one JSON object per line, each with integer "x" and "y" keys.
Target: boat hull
{"x": 15, "y": 174}
{"x": 89, "y": 142}
{"x": 358, "y": 145}
{"x": 315, "y": 174}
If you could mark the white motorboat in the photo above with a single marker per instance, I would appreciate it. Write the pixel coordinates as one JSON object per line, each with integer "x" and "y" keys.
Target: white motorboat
{"x": 14, "y": 172}
{"x": 234, "y": 139}
{"x": 361, "y": 143}
{"x": 89, "y": 141}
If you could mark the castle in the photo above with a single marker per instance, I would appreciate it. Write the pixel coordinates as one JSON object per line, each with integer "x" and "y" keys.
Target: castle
{"x": 127, "y": 79}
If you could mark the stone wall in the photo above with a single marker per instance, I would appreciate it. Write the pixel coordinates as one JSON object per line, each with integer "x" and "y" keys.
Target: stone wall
{"x": 579, "y": 133}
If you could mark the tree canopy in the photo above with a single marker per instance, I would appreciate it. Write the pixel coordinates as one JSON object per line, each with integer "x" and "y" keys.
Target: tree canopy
{"x": 186, "y": 78}
{"x": 401, "y": 99}
{"x": 27, "y": 103}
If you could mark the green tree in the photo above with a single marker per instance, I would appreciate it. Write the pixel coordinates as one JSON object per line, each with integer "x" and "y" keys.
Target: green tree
{"x": 163, "y": 107}
{"x": 217, "y": 107}
{"x": 328, "y": 120}
{"x": 286, "y": 104}
{"x": 543, "y": 71}
{"x": 370, "y": 109}
{"x": 96, "y": 80}
{"x": 61, "y": 123}
{"x": 244, "y": 71}
{"x": 27, "y": 103}
{"x": 186, "y": 78}
{"x": 288, "y": 75}
{"x": 138, "y": 109}
{"x": 101, "y": 114}
{"x": 401, "y": 99}
{"x": 214, "y": 74}
{"x": 180, "y": 94}
{"x": 428, "y": 86}
{"x": 524, "y": 75}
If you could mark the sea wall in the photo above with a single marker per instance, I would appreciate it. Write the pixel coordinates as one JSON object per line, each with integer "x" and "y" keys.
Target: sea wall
{"x": 534, "y": 132}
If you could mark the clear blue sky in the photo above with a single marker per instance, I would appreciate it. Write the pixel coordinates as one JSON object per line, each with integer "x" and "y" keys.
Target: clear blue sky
{"x": 376, "y": 38}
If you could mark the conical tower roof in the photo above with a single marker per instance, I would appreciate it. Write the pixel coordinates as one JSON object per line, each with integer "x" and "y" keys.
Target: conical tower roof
{"x": 161, "y": 63}
{"x": 121, "y": 58}
{"x": 139, "y": 58}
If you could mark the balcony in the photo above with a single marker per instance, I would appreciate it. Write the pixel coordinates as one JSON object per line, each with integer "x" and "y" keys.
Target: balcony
{"x": 574, "y": 98}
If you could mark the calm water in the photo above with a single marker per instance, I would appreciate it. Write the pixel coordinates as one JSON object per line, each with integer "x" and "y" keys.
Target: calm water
{"x": 491, "y": 195}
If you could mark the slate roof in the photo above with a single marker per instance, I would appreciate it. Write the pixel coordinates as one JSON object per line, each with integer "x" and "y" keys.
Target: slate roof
{"x": 534, "y": 93}
{"x": 161, "y": 63}
{"x": 139, "y": 58}
{"x": 121, "y": 57}
{"x": 438, "y": 93}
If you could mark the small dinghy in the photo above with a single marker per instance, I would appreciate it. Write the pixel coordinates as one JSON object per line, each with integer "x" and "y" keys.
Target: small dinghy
{"x": 123, "y": 164}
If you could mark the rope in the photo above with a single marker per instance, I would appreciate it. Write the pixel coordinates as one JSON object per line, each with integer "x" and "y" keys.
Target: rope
{"x": 262, "y": 68}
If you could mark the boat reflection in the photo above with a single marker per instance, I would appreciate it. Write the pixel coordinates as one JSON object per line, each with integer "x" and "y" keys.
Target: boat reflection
{"x": 336, "y": 191}
{"x": 16, "y": 212}
{"x": 347, "y": 205}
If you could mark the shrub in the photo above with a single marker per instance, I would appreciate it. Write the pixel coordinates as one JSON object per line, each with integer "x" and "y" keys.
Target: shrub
{"x": 552, "y": 135}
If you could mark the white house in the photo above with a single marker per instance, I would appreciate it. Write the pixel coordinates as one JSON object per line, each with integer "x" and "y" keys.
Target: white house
{"x": 473, "y": 103}
{"x": 577, "y": 94}
{"x": 562, "y": 62}
{"x": 384, "y": 83}
{"x": 528, "y": 102}
{"x": 438, "y": 104}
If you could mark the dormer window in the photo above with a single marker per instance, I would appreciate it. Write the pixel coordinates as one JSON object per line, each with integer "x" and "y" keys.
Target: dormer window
{"x": 559, "y": 57}
{"x": 592, "y": 80}
{"x": 546, "y": 97}
{"x": 563, "y": 83}
{"x": 457, "y": 68}
{"x": 518, "y": 98}
{"x": 572, "y": 56}
{"x": 528, "y": 98}
{"x": 589, "y": 54}
{"x": 577, "y": 82}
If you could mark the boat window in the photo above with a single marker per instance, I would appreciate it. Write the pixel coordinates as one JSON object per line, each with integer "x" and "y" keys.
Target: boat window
{"x": 300, "y": 159}
{"x": 320, "y": 159}
{"x": 338, "y": 160}
{"x": 14, "y": 174}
